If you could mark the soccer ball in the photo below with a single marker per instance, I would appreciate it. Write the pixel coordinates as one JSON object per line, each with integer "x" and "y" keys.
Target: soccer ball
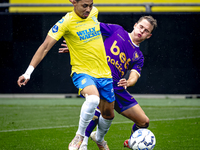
{"x": 142, "y": 139}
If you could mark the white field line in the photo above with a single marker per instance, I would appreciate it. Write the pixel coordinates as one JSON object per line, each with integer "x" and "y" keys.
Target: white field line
{"x": 180, "y": 118}
{"x": 64, "y": 108}
{"x": 39, "y": 128}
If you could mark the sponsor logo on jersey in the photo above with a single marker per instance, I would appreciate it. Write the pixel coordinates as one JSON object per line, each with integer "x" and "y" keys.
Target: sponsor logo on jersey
{"x": 55, "y": 29}
{"x": 87, "y": 34}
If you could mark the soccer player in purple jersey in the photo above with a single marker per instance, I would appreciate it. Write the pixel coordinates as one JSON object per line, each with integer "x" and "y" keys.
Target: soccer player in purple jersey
{"x": 123, "y": 54}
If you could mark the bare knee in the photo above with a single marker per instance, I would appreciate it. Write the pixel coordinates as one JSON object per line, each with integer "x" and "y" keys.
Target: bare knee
{"x": 107, "y": 109}
{"x": 144, "y": 123}
{"x": 108, "y": 114}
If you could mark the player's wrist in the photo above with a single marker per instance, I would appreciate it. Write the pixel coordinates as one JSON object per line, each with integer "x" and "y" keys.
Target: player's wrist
{"x": 27, "y": 74}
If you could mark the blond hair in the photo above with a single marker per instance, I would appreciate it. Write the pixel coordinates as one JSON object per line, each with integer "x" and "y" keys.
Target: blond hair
{"x": 150, "y": 19}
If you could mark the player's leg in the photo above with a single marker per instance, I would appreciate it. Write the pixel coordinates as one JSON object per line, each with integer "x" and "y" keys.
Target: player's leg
{"x": 89, "y": 90}
{"x": 103, "y": 126}
{"x": 126, "y": 105}
{"x": 137, "y": 115}
{"x": 93, "y": 123}
{"x": 105, "y": 119}
{"x": 107, "y": 112}
{"x": 88, "y": 108}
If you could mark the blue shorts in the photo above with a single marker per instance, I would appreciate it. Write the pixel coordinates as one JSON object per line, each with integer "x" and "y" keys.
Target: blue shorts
{"x": 104, "y": 85}
{"x": 123, "y": 99}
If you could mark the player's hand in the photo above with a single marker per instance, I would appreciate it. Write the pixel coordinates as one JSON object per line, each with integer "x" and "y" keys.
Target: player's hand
{"x": 64, "y": 49}
{"x": 22, "y": 81}
{"x": 123, "y": 82}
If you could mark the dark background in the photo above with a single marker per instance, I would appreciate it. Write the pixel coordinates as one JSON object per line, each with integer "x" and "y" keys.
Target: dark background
{"x": 171, "y": 65}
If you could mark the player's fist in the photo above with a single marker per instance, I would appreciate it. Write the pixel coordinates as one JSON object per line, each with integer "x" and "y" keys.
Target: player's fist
{"x": 22, "y": 81}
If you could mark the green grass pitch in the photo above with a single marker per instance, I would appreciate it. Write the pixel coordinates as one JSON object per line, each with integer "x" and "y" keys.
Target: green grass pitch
{"x": 50, "y": 124}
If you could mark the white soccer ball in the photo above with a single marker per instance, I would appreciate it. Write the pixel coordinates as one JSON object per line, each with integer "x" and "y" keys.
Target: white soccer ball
{"x": 142, "y": 139}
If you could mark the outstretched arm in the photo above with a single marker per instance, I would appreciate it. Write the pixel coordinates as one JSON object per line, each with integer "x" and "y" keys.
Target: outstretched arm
{"x": 37, "y": 58}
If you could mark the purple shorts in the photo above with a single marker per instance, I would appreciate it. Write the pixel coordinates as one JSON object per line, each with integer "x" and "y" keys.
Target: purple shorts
{"x": 123, "y": 99}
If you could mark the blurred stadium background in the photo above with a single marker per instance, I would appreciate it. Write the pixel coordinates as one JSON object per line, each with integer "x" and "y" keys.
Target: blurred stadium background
{"x": 172, "y": 54}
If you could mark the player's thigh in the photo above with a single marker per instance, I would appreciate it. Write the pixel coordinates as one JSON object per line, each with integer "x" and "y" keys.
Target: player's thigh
{"x": 107, "y": 109}
{"x": 136, "y": 114}
{"x": 90, "y": 90}
{"x": 85, "y": 83}
{"x": 106, "y": 91}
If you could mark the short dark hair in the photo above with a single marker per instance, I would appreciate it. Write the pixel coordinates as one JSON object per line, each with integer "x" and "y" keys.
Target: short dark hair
{"x": 150, "y": 19}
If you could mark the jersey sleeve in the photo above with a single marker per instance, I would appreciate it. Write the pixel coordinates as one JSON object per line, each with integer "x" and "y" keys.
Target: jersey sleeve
{"x": 138, "y": 65}
{"x": 108, "y": 29}
{"x": 58, "y": 30}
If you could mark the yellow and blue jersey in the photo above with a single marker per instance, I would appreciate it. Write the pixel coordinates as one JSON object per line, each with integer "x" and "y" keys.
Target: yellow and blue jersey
{"x": 85, "y": 43}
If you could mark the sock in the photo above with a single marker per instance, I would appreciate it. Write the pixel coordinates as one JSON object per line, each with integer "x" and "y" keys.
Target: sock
{"x": 102, "y": 128}
{"x": 85, "y": 140}
{"x": 93, "y": 123}
{"x": 136, "y": 127}
{"x": 87, "y": 113}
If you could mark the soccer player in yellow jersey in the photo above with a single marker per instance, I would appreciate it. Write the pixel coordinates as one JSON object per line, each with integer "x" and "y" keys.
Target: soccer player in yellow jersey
{"x": 90, "y": 71}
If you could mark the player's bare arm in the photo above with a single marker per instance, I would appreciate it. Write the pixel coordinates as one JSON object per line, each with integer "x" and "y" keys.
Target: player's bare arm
{"x": 37, "y": 58}
{"x": 42, "y": 51}
{"x": 133, "y": 77}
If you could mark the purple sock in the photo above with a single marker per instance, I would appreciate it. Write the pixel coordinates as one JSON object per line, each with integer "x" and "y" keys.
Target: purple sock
{"x": 93, "y": 123}
{"x": 135, "y": 127}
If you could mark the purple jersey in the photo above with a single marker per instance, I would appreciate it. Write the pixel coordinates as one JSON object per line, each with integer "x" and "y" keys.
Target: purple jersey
{"x": 122, "y": 53}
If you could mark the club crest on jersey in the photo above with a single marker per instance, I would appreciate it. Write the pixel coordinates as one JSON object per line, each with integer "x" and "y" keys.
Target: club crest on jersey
{"x": 135, "y": 56}
{"x": 55, "y": 29}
